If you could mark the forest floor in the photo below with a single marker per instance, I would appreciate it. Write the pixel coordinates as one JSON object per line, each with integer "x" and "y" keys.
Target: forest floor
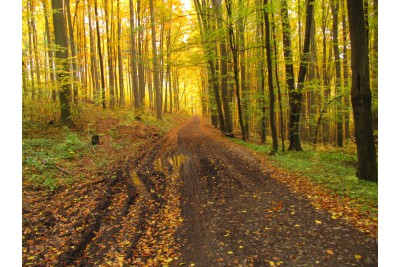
{"x": 191, "y": 197}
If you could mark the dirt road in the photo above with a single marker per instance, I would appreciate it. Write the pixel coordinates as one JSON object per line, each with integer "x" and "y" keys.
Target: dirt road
{"x": 234, "y": 211}
{"x": 193, "y": 198}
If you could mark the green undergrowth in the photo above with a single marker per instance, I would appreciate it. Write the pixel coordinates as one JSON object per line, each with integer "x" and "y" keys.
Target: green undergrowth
{"x": 332, "y": 168}
{"x": 55, "y": 156}
{"x": 41, "y": 156}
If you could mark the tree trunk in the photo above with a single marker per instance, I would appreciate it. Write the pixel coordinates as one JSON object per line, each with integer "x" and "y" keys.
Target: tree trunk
{"x": 261, "y": 79}
{"x": 62, "y": 56}
{"x": 93, "y": 62}
{"x": 367, "y": 168}
{"x": 141, "y": 93}
{"x": 156, "y": 72}
{"x": 73, "y": 51}
{"x": 282, "y": 128}
{"x": 346, "y": 92}
{"x": 51, "y": 53}
{"x": 270, "y": 81}
{"x": 234, "y": 48}
{"x": 103, "y": 85}
{"x": 135, "y": 87}
{"x": 293, "y": 95}
{"x": 30, "y": 50}
{"x": 110, "y": 64}
{"x": 120, "y": 62}
{"x": 36, "y": 53}
{"x": 338, "y": 84}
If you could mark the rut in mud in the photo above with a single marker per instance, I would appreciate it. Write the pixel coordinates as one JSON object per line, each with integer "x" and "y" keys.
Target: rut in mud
{"x": 192, "y": 198}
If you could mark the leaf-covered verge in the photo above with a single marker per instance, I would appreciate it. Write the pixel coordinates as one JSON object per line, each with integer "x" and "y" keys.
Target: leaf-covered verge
{"x": 326, "y": 176}
{"x": 76, "y": 193}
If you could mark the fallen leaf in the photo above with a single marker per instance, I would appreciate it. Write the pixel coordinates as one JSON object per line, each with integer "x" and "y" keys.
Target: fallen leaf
{"x": 358, "y": 257}
{"x": 230, "y": 252}
{"x": 329, "y": 251}
{"x": 318, "y": 222}
{"x": 220, "y": 260}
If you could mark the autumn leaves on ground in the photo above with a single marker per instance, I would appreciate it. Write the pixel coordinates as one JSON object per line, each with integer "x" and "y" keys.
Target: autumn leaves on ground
{"x": 177, "y": 192}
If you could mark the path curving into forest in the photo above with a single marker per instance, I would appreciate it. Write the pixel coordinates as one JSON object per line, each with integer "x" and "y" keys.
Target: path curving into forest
{"x": 191, "y": 198}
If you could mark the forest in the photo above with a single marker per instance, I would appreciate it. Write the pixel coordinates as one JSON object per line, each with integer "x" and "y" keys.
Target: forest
{"x": 145, "y": 121}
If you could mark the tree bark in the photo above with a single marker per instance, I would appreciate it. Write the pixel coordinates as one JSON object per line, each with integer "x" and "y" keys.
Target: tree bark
{"x": 234, "y": 48}
{"x": 110, "y": 59}
{"x": 223, "y": 70}
{"x": 293, "y": 95}
{"x": 270, "y": 80}
{"x": 62, "y": 56}
{"x": 338, "y": 84}
{"x": 103, "y": 85}
{"x": 282, "y": 125}
{"x": 140, "y": 64}
{"x": 156, "y": 72}
{"x": 73, "y": 51}
{"x": 345, "y": 76}
{"x": 120, "y": 61}
{"x": 367, "y": 167}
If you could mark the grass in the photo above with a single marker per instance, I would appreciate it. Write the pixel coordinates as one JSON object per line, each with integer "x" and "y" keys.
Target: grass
{"x": 41, "y": 156}
{"x": 332, "y": 168}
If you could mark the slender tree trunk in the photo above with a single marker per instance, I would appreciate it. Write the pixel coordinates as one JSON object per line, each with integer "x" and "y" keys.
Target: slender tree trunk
{"x": 140, "y": 64}
{"x": 270, "y": 81}
{"x": 51, "y": 53}
{"x": 261, "y": 80}
{"x": 134, "y": 79}
{"x": 345, "y": 75}
{"x": 73, "y": 51}
{"x": 293, "y": 95}
{"x": 338, "y": 84}
{"x": 93, "y": 62}
{"x": 243, "y": 74}
{"x": 62, "y": 57}
{"x": 30, "y": 51}
{"x": 282, "y": 125}
{"x": 156, "y": 72}
{"x": 36, "y": 53}
{"x": 111, "y": 74}
{"x": 367, "y": 168}
{"x": 120, "y": 61}
{"x": 103, "y": 85}
{"x": 234, "y": 49}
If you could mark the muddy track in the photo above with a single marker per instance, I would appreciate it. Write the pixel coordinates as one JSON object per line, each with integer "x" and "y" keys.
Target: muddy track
{"x": 237, "y": 215}
{"x": 105, "y": 223}
{"x": 192, "y": 197}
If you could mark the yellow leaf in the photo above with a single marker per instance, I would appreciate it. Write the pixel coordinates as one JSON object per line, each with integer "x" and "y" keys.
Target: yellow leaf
{"x": 358, "y": 257}
{"x": 271, "y": 263}
{"x": 192, "y": 264}
{"x": 297, "y": 225}
{"x": 241, "y": 246}
{"x": 329, "y": 251}
{"x": 318, "y": 222}
{"x": 31, "y": 257}
{"x": 230, "y": 252}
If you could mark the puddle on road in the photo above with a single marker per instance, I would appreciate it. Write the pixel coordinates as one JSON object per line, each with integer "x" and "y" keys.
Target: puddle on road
{"x": 139, "y": 184}
{"x": 162, "y": 164}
